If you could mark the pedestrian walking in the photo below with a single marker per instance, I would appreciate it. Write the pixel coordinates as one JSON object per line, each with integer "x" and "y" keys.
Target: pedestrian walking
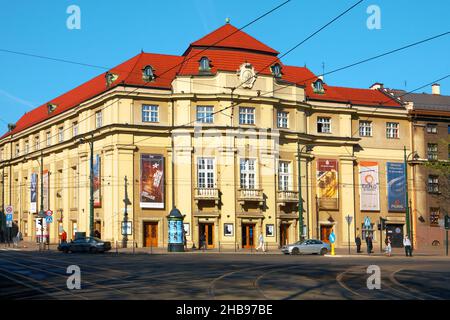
{"x": 64, "y": 236}
{"x": 369, "y": 244}
{"x": 358, "y": 244}
{"x": 261, "y": 243}
{"x": 202, "y": 242}
{"x": 185, "y": 240}
{"x": 407, "y": 245}
{"x": 388, "y": 243}
{"x": 17, "y": 239}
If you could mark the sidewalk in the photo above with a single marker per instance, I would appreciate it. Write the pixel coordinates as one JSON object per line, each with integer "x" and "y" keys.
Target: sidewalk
{"x": 340, "y": 252}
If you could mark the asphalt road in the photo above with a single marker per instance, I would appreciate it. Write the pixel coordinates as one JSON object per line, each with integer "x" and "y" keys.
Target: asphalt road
{"x": 197, "y": 276}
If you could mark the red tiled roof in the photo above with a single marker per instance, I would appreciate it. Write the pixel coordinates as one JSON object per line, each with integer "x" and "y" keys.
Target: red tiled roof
{"x": 129, "y": 72}
{"x": 229, "y": 36}
{"x": 226, "y": 60}
{"x": 303, "y": 76}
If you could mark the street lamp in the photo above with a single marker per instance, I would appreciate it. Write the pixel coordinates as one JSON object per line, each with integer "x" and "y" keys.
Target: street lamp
{"x": 408, "y": 222}
{"x": 307, "y": 148}
{"x": 91, "y": 183}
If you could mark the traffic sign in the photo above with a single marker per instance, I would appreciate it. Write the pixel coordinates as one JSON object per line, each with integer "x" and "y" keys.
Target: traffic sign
{"x": 447, "y": 222}
{"x": 349, "y": 219}
{"x": 332, "y": 237}
{"x": 9, "y": 217}
{"x": 9, "y": 210}
{"x": 49, "y": 213}
{"x": 9, "y": 224}
{"x": 49, "y": 219}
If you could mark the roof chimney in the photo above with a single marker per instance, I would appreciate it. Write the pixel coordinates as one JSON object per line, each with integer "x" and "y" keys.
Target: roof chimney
{"x": 377, "y": 86}
{"x": 436, "y": 89}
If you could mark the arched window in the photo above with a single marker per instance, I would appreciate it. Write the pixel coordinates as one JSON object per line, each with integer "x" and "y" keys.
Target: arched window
{"x": 318, "y": 86}
{"x": 148, "y": 73}
{"x": 205, "y": 64}
{"x": 276, "y": 70}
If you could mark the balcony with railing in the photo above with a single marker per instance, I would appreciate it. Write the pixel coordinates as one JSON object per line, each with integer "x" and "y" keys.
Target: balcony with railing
{"x": 250, "y": 195}
{"x": 284, "y": 196}
{"x": 206, "y": 194}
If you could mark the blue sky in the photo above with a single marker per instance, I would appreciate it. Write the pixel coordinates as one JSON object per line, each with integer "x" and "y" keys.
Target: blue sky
{"x": 113, "y": 31}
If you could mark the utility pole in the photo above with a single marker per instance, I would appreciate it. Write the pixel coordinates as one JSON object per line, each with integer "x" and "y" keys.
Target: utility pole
{"x": 408, "y": 228}
{"x": 317, "y": 218}
{"x": 41, "y": 207}
{"x": 3, "y": 202}
{"x": 91, "y": 188}
{"x": 126, "y": 201}
{"x": 300, "y": 200}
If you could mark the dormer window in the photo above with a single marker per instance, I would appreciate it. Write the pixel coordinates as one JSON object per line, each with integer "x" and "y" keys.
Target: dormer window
{"x": 318, "y": 86}
{"x": 110, "y": 78}
{"x": 51, "y": 107}
{"x": 205, "y": 64}
{"x": 148, "y": 73}
{"x": 276, "y": 70}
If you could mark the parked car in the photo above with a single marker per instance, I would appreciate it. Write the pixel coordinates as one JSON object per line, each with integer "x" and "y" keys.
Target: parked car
{"x": 88, "y": 244}
{"x": 308, "y": 246}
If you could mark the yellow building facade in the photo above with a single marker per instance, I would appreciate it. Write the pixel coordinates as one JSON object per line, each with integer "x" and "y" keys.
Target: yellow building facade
{"x": 218, "y": 138}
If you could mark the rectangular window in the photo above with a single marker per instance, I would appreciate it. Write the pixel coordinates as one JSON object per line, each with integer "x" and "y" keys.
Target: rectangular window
{"x": 75, "y": 129}
{"x": 27, "y": 147}
{"x": 433, "y": 184}
{"x": 248, "y": 173}
{"x": 205, "y": 114}
{"x": 17, "y": 149}
{"x": 392, "y": 130}
{"x": 150, "y": 113}
{"x": 284, "y": 176}
{"x": 98, "y": 119}
{"x": 61, "y": 134}
{"x": 282, "y": 119}
{"x": 323, "y": 125}
{"x": 432, "y": 151}
{"x": 432, "y": 128}
{"x": 365, "y": 128}
{"x": 36, "y": 143}
{"x": 246, "y": 115}
{"x": 434, "y": 216}
{"x": 1, "y": 154}
{"x": 49, "y": 138}
{"x": 205, "y": 173}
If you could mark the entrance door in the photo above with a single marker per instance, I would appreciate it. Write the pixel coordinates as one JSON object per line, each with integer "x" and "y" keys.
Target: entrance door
{"x": 208, "y": 230}
{"x": 150, "y": 234}
{"x": 325, "y": 232}
{"x": 284, "y": 234}
{"x": 248, "y": 236}
{"x": 395, "y": 231}
{"x": 98, "y": 228}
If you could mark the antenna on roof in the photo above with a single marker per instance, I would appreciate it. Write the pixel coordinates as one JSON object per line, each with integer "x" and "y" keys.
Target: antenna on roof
{"x": 227, "y": 20}
{"x": 406, "y": 84}
{"x": 323, "y": 70}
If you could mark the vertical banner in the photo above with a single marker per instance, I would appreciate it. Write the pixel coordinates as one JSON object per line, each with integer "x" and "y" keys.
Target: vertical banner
{"x": 97, "y": 182}
{"x": 152, "y": 181}
{"x": 370, "y": 186}
{"x": 33, "y": 193}
{"x": 396, "y": 186}
{"x": 327, "y": 183}
{"x": 46, "y": 190}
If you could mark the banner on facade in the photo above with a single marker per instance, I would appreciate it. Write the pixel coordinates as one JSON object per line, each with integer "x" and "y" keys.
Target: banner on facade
{"x": 370, "y": 186}
{"x": 396, "y": 186}
{"x": 327, "y": 184}
{"x": 33, "y": 193}
{"x": 46, "y": 190}
{"x": 97, "y": 182}
{"x": 152, "y": 181}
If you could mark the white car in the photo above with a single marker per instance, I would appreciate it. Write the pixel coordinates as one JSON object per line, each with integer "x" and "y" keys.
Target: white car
{"x": 308, "y": 246}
